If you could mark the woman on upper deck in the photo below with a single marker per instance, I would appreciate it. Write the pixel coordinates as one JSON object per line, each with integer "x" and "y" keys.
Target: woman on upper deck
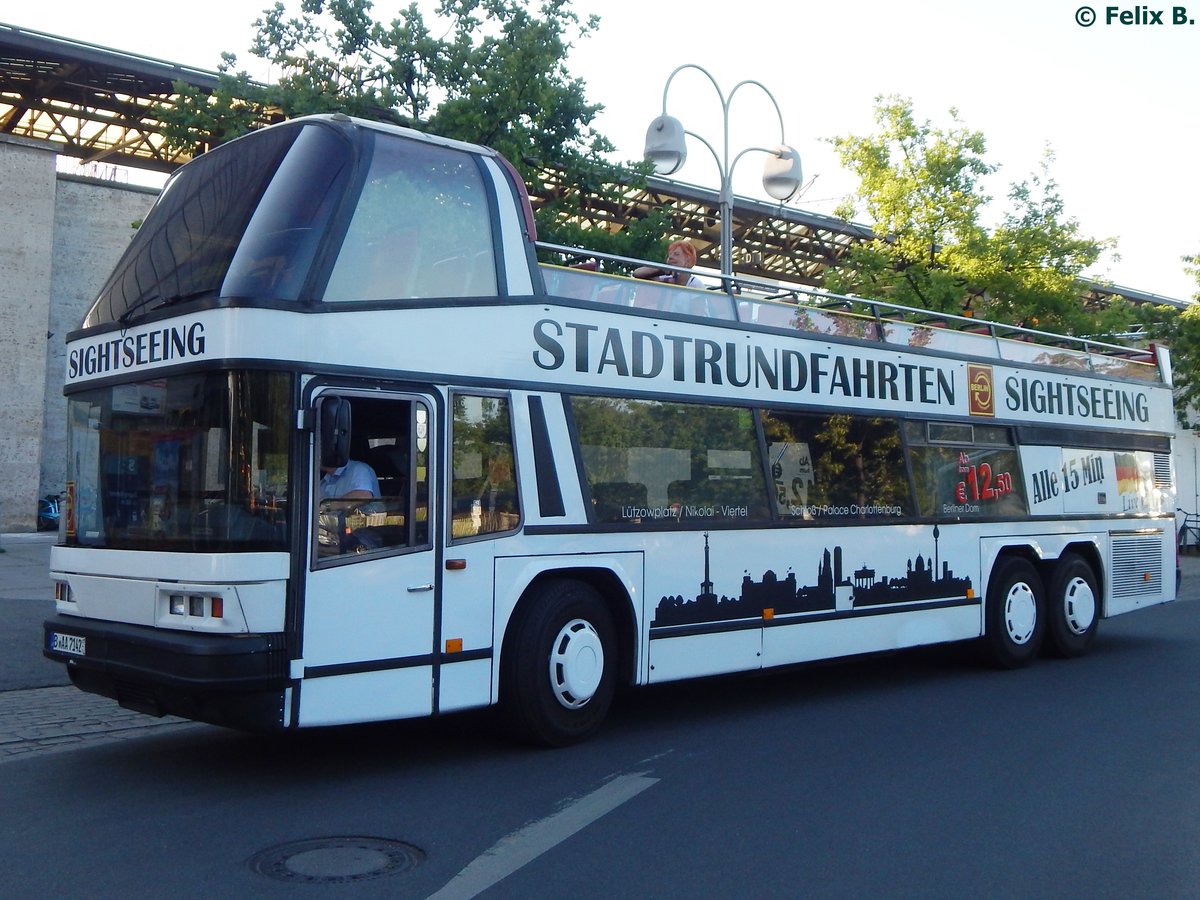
{"x": 680, "y": 254}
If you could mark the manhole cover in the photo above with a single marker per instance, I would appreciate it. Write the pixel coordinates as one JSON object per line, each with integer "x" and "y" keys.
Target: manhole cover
{"x": 336, "y": 860}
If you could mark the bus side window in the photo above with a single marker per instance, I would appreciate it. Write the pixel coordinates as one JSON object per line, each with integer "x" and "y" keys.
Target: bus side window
{"x": 652, "y": 462}
{"x": 836, "y": 466}
{"x": 965, "y": 470}
{"x": 484, "y": 488}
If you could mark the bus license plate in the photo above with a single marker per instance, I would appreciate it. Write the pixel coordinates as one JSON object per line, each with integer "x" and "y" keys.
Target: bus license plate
{"x": 68, "y": 643}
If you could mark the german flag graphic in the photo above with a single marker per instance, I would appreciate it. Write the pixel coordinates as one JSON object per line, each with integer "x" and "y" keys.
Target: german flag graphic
{"x": 1128, "y": 481}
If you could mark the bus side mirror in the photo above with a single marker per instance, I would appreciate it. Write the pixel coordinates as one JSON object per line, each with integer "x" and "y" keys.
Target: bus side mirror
{"x": 335, "y": 432}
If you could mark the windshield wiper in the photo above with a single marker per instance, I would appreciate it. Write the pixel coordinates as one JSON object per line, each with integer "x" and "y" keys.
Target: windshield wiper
{"x": 157, "y": 301}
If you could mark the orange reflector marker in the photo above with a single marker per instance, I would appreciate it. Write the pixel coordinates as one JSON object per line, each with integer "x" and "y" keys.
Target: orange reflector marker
{"x": 218, "y": 607}
{"x": 970, "y": 593}
{"x": 454, "y": 564}
{"x": 454, "y": 645}
{"x": 768, "y": 613}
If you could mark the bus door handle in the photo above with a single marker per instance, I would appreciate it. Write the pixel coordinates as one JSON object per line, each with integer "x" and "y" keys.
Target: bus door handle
{"x": 420, "y": 588}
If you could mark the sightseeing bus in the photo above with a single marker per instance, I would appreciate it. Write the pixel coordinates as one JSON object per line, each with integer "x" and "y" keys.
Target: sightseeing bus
{"x": 575, "y": 480}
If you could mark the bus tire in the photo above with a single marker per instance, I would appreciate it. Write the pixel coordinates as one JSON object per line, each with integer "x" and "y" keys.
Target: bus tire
{"x": 1073, "y": 607}
{"x": 560, "y": 669}
{"x": 1015, "y": 618}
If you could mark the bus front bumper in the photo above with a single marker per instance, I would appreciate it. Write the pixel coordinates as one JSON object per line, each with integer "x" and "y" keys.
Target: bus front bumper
{"x": 226, "y": 679}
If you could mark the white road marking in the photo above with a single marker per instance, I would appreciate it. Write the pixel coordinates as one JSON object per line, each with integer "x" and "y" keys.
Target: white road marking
{"x": 515, "y": 850}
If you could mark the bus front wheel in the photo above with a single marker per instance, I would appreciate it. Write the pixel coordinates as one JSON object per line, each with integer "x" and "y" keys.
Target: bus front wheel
{"x": 558, "y": 676}
{"x": 1016, "y": 613}
{"x": 1074, "y": 607}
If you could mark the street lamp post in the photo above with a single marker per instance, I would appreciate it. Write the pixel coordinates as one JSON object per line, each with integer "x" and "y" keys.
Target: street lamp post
{"x": 666, "y": 148}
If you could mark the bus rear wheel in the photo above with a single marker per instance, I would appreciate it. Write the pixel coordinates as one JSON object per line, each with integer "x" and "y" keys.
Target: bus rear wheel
{"x": 1074, "y": 607}
{"x": 558, "y": 676}
{"x": 1015, "y": 618}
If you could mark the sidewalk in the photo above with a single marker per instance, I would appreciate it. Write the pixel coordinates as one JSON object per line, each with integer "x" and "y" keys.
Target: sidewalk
{"x": 23, "y": 565}
{"x": 49, "y": 719}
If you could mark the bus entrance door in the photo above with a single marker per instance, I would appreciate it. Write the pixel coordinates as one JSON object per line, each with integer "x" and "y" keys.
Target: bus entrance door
{"x": 371, "y": 590}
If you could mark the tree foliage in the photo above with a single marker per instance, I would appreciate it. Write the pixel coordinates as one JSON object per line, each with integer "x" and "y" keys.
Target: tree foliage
{"x": 490, "y": 72}
{"x": 922, "y": 188}
{"x": 1180, "y": 330}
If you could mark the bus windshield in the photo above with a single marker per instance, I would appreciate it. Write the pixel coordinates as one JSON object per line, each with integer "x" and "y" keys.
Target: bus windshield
{"x": 233, "y": 223}
{"x": 195, "y": 462}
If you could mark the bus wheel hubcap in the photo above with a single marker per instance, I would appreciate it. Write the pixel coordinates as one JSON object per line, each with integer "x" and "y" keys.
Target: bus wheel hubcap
{"x": 1020, "y": 613}
{"x": 1079, "y": 605}
{"x": 576, "y": 663}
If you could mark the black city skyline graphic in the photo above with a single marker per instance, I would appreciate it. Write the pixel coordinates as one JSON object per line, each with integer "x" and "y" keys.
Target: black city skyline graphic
{"x": 832, "y": 591}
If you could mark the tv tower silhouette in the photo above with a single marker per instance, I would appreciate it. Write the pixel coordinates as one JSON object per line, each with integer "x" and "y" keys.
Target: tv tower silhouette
{"x": 706, "y": 586}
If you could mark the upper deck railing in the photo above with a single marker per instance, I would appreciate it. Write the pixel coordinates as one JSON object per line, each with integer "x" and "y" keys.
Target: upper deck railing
{"x": 815, "y": 312}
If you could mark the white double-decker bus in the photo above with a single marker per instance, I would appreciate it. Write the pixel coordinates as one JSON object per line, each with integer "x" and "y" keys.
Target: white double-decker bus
{"x": 576, "y": 480}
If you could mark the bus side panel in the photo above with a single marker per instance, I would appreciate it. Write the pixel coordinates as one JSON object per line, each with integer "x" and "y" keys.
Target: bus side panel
{"x": 366, "y": 696}
{"x": 465, "y": 684}
{"x": 697, "y": 655}
{"x": 871, "y": 632}
{"x": 465, "y": 624}
{"x": 1142, "y": 570}
{"x": 771, "y": 598}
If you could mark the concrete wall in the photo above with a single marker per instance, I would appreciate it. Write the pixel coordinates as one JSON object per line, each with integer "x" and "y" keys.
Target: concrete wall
{"x": 26, "y": 232}
{"x": 93, "y": 224}
{"x": 59, "y": 238}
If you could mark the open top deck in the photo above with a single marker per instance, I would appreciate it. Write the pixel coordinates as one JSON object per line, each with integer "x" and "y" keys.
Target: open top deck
{"x": 804, "y": 309}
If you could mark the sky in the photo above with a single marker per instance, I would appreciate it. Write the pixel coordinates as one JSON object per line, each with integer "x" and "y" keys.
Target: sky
{"x": 1115, "y": 103}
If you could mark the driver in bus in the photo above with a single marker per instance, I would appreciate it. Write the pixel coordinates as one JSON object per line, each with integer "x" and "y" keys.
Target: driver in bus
{"x": 354, "y": 481}
{"x": 343, "y": 512}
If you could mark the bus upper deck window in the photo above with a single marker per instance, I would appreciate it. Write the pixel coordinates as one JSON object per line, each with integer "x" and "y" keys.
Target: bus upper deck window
{"x": 280, "y": 243}
{"x": 421, "y": 228}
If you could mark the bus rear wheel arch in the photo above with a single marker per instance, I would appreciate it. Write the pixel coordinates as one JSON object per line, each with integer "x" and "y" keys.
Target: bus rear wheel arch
{"x": 1015, "y": 613}
{"x": 558, "y": 673}
{"x": 1072, "y": 606}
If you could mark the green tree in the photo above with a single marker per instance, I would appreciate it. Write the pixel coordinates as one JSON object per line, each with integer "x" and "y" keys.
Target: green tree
{"x": 496, "y": 76}
{"x": 1180, "y": 331}
{"x": 921, "y": 187}
{"x": 1031, "y": 264}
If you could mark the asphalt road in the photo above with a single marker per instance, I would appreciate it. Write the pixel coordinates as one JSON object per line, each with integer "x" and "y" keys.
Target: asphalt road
{"x": 918, "y": 774}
